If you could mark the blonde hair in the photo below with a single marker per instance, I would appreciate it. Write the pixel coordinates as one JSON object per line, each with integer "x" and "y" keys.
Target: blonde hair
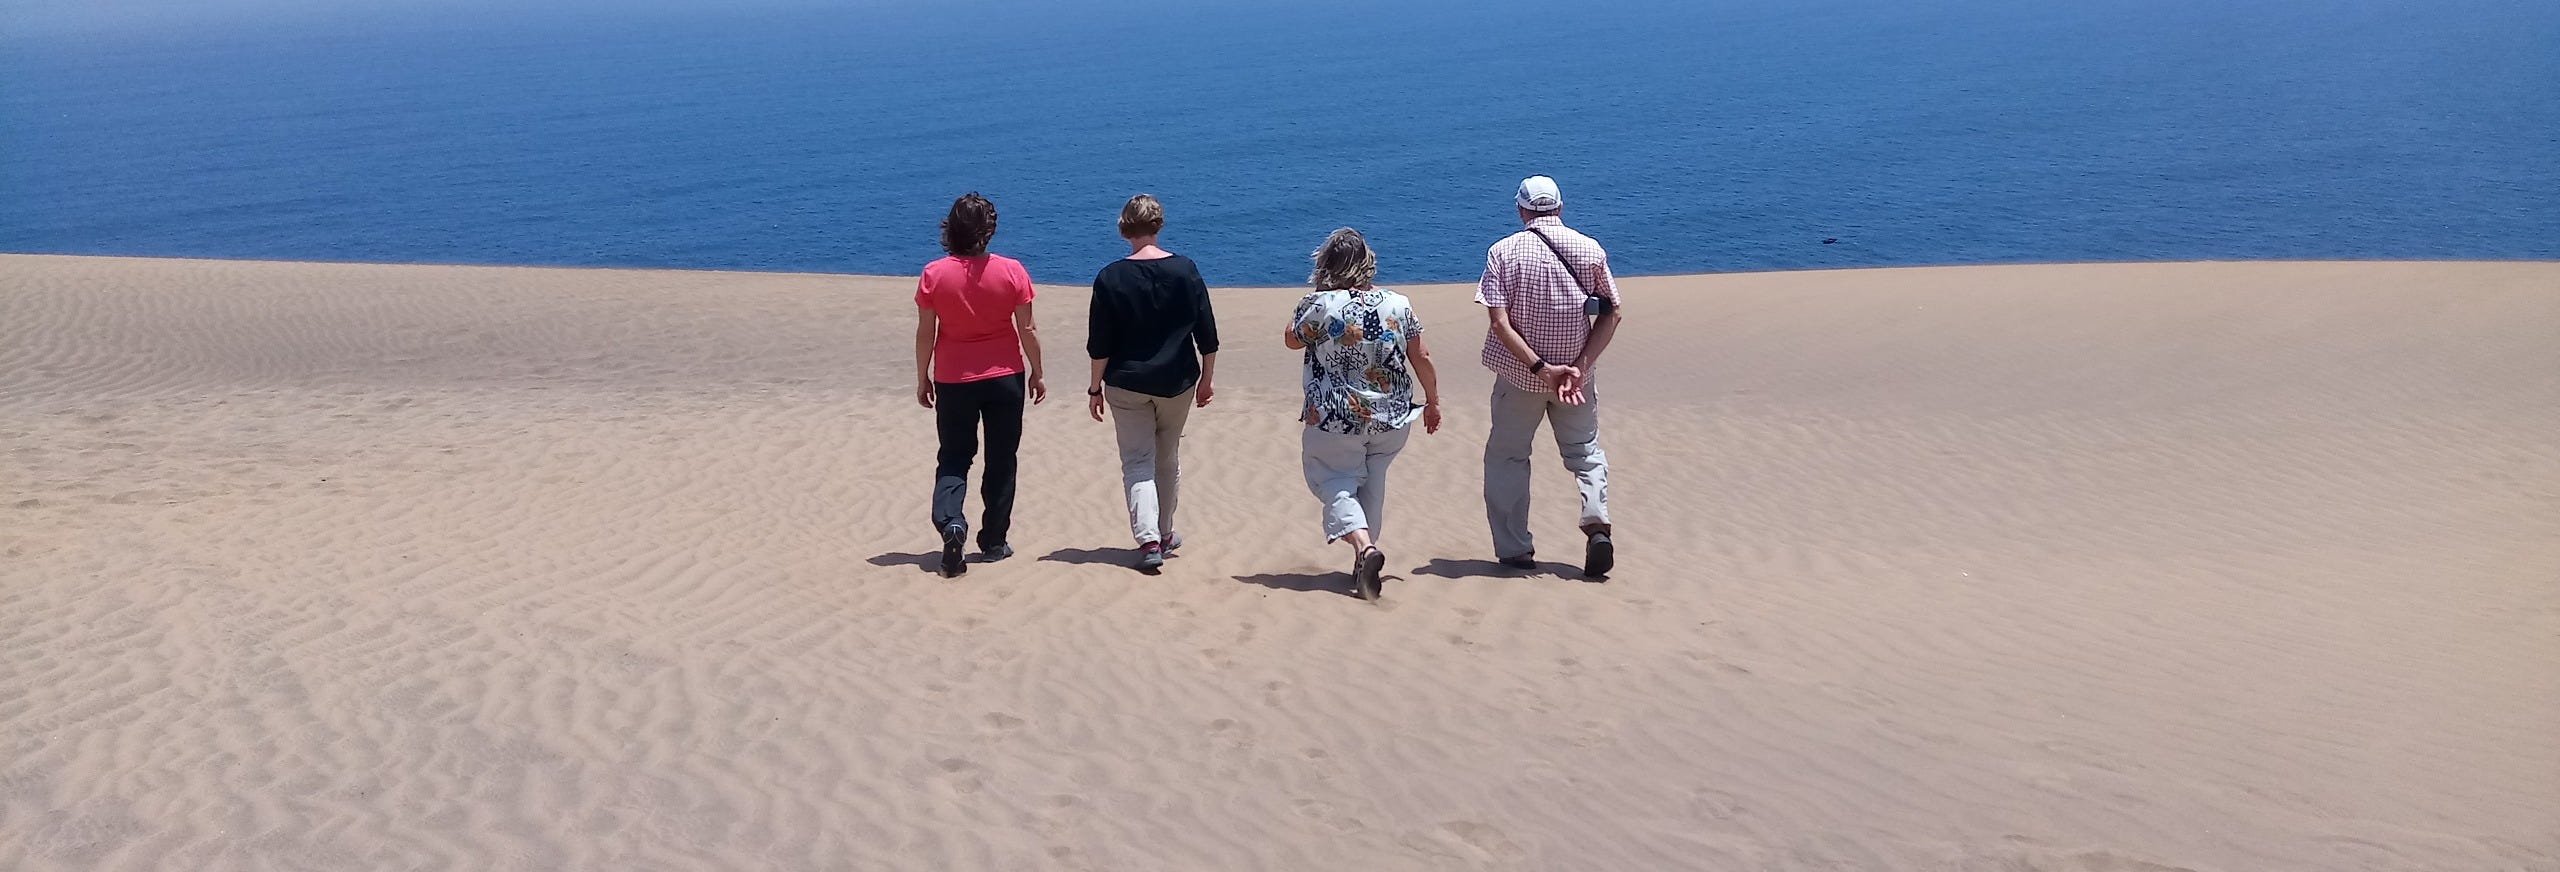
{"x": 1343, "y": 262}
{"x": 1143, "y": 216}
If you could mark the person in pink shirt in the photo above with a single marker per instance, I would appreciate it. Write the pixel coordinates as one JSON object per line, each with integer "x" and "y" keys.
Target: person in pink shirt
{"x": 977, "y": 359}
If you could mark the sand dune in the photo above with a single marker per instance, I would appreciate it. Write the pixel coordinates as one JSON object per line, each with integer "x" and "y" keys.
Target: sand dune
{"x": 2180, "y": 566}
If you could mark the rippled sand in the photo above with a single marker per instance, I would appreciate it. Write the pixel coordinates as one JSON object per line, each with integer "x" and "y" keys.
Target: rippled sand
{"x": 2201, "y": 566}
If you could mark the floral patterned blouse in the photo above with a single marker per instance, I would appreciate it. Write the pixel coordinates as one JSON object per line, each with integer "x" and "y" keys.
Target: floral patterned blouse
{"x": 1357, "y": 377}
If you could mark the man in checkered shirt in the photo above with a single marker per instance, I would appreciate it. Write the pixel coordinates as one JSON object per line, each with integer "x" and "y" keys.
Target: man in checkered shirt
{"x": 1553, "y": 307}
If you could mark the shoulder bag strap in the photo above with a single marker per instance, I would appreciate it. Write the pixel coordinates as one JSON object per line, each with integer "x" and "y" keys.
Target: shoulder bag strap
{"x": 1569, "y": 269}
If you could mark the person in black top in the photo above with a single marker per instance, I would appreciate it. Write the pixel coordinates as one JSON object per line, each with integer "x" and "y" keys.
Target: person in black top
{"x": 1154, "y": 346}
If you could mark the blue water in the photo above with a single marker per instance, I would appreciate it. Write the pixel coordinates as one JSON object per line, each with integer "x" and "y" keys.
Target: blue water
{"x": 1689, "y": 136}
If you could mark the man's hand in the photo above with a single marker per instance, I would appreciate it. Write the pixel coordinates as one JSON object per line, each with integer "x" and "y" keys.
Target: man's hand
{"x": 1205, "y": 393}
{"x": 1567, "y": 382}
{"x": 1557, "y": 376}
{"x": 1093, "y": 402}
{"x": 924, "y": 392}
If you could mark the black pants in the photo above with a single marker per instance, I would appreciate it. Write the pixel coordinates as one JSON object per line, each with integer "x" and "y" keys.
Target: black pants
{"x": 958, "y": 409}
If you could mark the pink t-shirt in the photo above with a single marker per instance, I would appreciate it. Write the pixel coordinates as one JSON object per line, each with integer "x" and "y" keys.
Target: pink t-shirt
{"x": 974, "y": 298}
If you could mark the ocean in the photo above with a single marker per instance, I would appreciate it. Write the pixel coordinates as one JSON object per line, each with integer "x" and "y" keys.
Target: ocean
{"x": 1719, "y": 135}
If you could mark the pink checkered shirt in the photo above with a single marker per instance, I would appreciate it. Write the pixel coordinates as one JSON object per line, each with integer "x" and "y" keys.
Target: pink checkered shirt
{"x": 1523, "y": 277}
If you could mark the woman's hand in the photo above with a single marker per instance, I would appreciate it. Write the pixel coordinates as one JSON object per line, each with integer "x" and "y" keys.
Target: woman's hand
{"x": 1093, "y": 402}
{"x": 1431, "y": 417}
{"x": 924, "y": 392}
{"x": 1039, "y": 389}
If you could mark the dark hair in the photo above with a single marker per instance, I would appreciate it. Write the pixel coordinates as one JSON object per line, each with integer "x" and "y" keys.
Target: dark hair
{"x": 972, "y": 222}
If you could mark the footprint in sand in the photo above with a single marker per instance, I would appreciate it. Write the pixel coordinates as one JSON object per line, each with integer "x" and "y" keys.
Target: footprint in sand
{"x": 1857, "y": 696}
{"x": 1065, "y": 808}
{"x": 1231, "y": 743}
{"x": 961, "y": 775}
{"x": 2028, "y": 853}
{"x": 1069, "y": 858}
{"x": 1061, "y": 816}
{"x": 1324, "y": 813}
{"x": 1710, "y": 804}
{"x": 1524, "y": 698}
{"x": 1720, "y": 664}
{"x": 1594, "y": 733}
{"x": 1468, "y": 842}
{"x": 601, "y": 823}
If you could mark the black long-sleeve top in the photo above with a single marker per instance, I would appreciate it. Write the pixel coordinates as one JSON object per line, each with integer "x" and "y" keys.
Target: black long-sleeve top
{"x": 1151, "y": 322}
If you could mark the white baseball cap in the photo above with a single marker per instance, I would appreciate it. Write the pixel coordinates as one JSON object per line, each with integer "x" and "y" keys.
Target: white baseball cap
{"x": 1539, "y": 194}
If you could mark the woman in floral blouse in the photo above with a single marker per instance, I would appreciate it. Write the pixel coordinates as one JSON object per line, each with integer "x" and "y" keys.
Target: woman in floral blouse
{"x": 1364, "y": 354}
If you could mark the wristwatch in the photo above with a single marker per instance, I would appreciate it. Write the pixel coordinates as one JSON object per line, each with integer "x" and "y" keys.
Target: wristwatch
{"x": 1093, "y": 392}
{"x": 1540, "y": 365}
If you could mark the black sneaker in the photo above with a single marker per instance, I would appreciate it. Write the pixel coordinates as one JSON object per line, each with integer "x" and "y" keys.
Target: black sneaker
{"x": 1365, "y": 580}
{"x": 993, "y": 553}
{"x": 952, "y": 536}
{"x": 1521, "y": 561}
{"x": 1150, "y": 557}
{"x": 1599, "y": 556}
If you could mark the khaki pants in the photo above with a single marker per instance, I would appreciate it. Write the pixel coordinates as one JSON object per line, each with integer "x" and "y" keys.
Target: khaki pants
{"x": 1516, "y": 415}
{"x": 1150, "y": 432}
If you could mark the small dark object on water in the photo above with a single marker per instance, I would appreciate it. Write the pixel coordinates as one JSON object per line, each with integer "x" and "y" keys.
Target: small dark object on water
{"x": 1827, "y": 240}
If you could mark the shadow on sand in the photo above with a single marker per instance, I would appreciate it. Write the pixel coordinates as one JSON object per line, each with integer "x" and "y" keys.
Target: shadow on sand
{"x": 930, "y": 561}
{"x": 1338, "y": 583}
{"x": 1442, "y": 567}
{"x": 1125, "y": 558}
